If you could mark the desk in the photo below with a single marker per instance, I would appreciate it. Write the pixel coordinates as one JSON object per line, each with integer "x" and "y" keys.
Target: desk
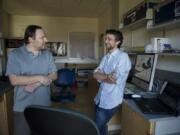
{"x": 131, "y": 89}
{"x": 134, "y": 122}
{"x": 76, "y": 63}
{"x": 75, "y": 60}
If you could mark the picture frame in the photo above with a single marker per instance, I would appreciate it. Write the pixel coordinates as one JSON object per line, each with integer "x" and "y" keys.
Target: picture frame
{"x": 57, "y": 48}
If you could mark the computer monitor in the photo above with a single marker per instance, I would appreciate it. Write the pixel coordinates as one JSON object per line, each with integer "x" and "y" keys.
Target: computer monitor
{"x": 132, "y": 57}
{"x": 144, "y": 71}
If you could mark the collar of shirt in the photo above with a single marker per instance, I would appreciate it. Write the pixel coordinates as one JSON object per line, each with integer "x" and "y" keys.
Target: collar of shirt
{"x": 31, "y": 53}
{"x": 113, "y": 53}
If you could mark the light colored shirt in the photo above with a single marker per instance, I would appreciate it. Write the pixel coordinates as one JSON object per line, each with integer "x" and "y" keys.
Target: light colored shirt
{"x": 22, "y": 62}
{"x": 111, "y": 95}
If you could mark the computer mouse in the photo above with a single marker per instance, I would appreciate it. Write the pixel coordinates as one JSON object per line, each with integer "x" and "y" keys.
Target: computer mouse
{"x": 135, "y": 96}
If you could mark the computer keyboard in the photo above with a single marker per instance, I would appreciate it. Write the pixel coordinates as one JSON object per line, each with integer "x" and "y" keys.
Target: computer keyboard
{"x": 131, "y": 89}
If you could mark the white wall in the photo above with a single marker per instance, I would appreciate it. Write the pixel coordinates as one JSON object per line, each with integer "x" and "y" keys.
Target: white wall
{"x": 170, "y": 63}
{"x": 109, "y": 19}
{"x": 105, "y": 22}
{"x": 5, "y": 24}
{"x": 141, "y": 37}
{"x": 56, "y": 28}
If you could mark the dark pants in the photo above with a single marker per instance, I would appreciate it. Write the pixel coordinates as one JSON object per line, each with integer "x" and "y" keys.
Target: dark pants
{"x": 102, "y": 117}
{"x": 20, "y": 125}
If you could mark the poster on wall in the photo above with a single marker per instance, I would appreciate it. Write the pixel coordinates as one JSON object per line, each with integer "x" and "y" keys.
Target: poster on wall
{"x": 57, "y": 48}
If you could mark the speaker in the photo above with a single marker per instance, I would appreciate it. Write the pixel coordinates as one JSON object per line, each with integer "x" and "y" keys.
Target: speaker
{"x": 137, "y": 13}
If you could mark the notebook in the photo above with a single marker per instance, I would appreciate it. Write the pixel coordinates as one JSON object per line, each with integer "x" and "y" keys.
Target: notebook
{"x": 166, "y": 103}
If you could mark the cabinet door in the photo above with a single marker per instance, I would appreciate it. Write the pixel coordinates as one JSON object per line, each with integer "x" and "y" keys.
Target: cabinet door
{"x": 134, "y": 124}
{"x": 9, "y": 110}
{"x": 3, "y": 118}
{"x": 6, "y": 114}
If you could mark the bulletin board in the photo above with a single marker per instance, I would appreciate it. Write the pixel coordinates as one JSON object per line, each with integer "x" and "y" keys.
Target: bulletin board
{"x": 81, "y": 45}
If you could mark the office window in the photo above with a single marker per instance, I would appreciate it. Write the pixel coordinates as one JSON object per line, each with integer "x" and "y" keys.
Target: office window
{"x": 81, "y": 45}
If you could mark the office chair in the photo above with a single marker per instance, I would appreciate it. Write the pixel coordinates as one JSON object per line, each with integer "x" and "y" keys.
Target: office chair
{"x": 51, "y": 121}
{"x": 66, "y": 79}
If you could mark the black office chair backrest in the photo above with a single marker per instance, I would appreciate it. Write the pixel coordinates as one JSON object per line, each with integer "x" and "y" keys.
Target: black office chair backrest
{"x": 63, "y": 91}
{"x": 66, "y": 77}
{"x": 50, "y": 121}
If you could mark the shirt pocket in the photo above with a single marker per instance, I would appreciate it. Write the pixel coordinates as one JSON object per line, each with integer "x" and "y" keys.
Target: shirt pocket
{"x": 110, "y": 67}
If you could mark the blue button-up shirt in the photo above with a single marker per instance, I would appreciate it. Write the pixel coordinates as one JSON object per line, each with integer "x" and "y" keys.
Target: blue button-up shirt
{"x": 111, "y": 95}
{"x": 24, "y": 63}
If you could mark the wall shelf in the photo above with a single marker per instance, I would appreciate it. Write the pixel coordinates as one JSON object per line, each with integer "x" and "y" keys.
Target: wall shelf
{"x": 75, "y": 60}
{"x": 169, "y": 54}
{"x": 14, "y": 42}
{"x": 138, "y": 16}
{"x": 161, "y": 54}
{"x": 134, "y": 25}
{"x": 167, "y": 25}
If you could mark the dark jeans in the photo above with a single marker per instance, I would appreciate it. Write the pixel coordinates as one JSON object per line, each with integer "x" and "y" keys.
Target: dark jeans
{"x": 102, "y": 117}
{"x": 20, "y": 125}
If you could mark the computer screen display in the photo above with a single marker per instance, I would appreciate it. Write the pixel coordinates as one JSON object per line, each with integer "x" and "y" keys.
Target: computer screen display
{"x": 144, "y": 70}
{"x": 133, "y": 60}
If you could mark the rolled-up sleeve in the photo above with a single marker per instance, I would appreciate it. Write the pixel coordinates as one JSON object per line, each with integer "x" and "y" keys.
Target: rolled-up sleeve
{"x": 123, "y": 68}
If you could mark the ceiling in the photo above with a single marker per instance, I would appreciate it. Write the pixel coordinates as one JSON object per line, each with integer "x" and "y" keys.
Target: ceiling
{"x": 62, "y": 8}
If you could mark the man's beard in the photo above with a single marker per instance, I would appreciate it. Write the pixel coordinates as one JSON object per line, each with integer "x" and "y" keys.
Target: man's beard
{"x": 110, "y": 48}
{"x": 42, "y": 47}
